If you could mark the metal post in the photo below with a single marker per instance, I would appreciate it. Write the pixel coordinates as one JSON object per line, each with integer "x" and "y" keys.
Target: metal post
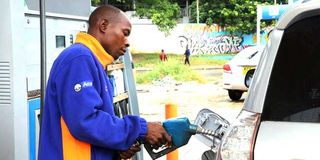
{"x": 134, "y": 5}
{"x": 132, "y": 93}
{"x": 259, "y": 12}
{"x": 43, "y": 55}
{"x": 197, "y": 11}
{"x": 187, "y": 8}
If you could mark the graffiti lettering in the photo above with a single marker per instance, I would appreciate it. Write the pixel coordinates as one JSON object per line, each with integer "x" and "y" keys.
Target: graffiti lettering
{"x": 202, "y": 39}
{"x": 212, "y": 45}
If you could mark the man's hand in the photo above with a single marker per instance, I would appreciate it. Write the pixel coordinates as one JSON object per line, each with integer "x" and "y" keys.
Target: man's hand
{"x": 157, "y": 135}
{"x": 130, "y": 152}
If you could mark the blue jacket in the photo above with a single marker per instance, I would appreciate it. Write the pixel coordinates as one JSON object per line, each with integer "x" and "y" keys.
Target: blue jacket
{"x": 187, "y": 52}
{"x": 78, "y": 120}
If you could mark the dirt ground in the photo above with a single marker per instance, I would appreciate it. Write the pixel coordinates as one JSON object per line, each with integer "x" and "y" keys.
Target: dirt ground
{"x": 190, "y": 97}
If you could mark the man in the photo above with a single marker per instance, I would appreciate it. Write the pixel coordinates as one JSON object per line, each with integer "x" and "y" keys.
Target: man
{"x": 163, "y": 56}
{"x": 78, "y": 120}
{"x": 187, "y": 55}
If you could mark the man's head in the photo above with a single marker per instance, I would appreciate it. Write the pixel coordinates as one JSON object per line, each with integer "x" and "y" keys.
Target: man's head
{"x": 111, "y": 27}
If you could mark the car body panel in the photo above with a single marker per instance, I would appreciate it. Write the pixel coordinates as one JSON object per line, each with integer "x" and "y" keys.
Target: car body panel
{"x": 235, "y": 80}
{"x": 287, "y": 141}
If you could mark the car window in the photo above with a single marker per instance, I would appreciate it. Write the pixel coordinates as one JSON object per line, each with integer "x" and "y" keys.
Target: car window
{"x": 294, "y": 88}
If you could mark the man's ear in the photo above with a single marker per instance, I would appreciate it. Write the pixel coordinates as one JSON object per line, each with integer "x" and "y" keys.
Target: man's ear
{"x": 103, "y": 26}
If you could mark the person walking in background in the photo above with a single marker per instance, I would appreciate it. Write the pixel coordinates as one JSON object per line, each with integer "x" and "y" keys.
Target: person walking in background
{"x": 163, "y": 56}
{"x": 78, "y": 120}
{"x": 187, "y": 55}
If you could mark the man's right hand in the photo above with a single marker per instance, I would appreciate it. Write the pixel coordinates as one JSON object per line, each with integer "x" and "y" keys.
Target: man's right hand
{"x": 157, "y": 135}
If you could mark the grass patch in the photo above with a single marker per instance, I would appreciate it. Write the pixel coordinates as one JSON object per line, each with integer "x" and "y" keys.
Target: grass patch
{"x": 152, "y": 59}
{"x": 174, "y": 67}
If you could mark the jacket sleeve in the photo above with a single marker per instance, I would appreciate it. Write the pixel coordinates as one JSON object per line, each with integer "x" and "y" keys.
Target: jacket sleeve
{"x": 79, "y": 96}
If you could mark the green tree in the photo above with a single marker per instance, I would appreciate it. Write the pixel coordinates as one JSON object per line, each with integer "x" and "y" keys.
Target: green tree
{"x": 163, "y": 13}
{"x": 95, "y": 2}
{"x": 234, "y": 15}
{"x": 124, "y": 5}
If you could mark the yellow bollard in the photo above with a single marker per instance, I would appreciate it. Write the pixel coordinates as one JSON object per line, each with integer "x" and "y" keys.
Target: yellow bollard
{"x": 171, "y": 112}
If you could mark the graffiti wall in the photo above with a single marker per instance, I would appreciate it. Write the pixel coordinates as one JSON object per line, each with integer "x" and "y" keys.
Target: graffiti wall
{"x": 211, "y": 45}
{"x": 199, "y": 38}
{"x": 202, "y": 39}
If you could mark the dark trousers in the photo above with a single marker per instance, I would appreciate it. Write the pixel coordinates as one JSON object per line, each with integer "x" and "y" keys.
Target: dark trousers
{"x": 187, "y": 60}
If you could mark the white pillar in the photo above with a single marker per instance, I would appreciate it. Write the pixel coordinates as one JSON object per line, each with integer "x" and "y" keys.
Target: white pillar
{"x": 13, "y": 92}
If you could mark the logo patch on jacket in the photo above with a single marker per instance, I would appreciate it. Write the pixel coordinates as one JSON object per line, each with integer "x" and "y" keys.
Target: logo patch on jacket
{"x": 82, "y": 85}
{"x": 106, "y": 88}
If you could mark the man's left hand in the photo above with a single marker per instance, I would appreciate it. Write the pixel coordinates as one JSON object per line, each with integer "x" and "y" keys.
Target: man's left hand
{"x": 130, "y": 152}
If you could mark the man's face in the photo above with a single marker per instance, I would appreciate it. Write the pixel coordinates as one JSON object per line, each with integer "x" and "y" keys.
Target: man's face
{"x": 115, "y": 39}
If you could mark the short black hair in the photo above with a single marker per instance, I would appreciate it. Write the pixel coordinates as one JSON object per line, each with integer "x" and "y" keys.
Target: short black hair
{"x": 105, "y": 11}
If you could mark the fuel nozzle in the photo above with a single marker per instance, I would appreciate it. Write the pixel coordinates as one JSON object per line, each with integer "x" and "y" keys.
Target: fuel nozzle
{"x": 199, "y": 130}
{"x": 180, "y": 131}
{"x": 195, "y": 129}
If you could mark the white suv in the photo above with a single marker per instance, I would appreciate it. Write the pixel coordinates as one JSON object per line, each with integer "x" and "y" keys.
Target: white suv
{"x": 280, "y": 119}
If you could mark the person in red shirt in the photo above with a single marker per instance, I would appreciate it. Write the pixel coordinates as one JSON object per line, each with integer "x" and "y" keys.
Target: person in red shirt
{"x": 163, "y": 56}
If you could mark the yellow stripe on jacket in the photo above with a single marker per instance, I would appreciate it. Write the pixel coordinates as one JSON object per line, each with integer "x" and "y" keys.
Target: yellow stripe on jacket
{"x": 73, "y": 149}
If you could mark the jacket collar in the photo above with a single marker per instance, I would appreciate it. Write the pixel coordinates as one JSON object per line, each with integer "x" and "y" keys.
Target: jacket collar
{"x": 95, "y": 47}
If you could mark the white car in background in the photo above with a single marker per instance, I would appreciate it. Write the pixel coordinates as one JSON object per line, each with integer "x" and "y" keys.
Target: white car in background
{"x": 238, "y": 72}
